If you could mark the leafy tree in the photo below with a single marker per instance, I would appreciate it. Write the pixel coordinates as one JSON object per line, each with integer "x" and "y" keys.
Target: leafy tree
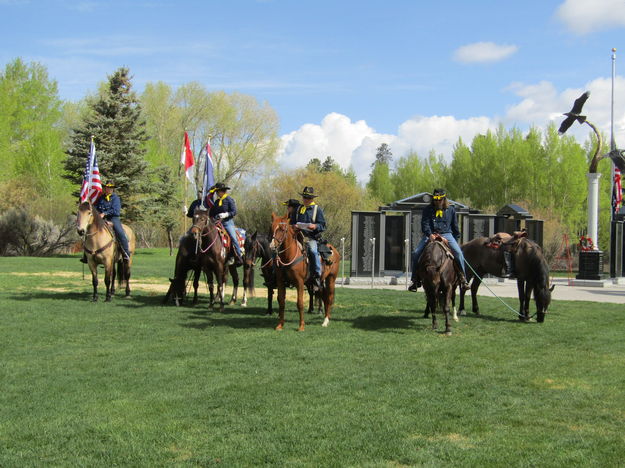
{"x": 30, "y": 137}
{"x": 380, "y": 186}
{"x": 118, "y": 128}
{"x": 314, "y": 164}
{"x": 383, "y": 155}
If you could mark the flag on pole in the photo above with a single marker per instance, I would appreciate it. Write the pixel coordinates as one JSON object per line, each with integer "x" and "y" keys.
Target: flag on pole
{"x": 91, "y": 184}
{"x": 186, "y": 158}
{"x": 617, "y": 195}
{"x": 209, "y": 175}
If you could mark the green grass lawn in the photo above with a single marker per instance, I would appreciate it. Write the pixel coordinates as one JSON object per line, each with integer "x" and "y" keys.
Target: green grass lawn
{"x": 135, "y": 383}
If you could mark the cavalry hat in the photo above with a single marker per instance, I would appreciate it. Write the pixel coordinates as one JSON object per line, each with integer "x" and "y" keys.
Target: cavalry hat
{"x": 220, "y": 186}
{"x": 308, "y": 192}
{"x": 439, "y": 192}
{"x": 110, "y": 183}
{"x": 291, "y": 202}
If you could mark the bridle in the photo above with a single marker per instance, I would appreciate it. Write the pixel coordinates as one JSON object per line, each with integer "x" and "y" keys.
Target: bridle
{"x": 276, "y": 244}
{"x": 201, "y": 229}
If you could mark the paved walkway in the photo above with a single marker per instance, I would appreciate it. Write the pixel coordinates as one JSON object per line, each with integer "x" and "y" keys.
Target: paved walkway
{"x": 614, "y": 293}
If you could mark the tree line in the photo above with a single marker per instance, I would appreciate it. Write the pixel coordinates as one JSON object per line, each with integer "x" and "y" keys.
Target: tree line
{"x": 44, "y": 142}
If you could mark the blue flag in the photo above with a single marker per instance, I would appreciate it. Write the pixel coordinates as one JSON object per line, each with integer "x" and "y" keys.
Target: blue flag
{"x": 209, "y": 176}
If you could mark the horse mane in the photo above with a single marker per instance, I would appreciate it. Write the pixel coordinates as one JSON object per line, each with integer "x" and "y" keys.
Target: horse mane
{"x": 538, "y": 262}
{"x": 97, "y": 219}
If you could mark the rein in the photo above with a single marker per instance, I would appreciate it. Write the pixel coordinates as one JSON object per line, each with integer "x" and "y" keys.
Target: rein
{"x": 279, "y": 262}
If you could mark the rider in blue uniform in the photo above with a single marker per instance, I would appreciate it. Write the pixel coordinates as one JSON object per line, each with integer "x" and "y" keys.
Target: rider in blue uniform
{"x": 310, "y": 220}
{"x": 225, "y": 209}
{"x": 439, "y": 218}
{"x": 110, "y": 206}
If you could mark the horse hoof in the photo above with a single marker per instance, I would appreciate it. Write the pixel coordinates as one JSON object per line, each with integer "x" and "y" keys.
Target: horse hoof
{"x": 243, "y": 304}
{"x": 448, "y": 333}
{"x": 127, "y": 296}
{"x": 300, "y": 329}
{"x": 326, "y": 322}
{"x": 279, "y": 327}
{"x": 108, "y": 299}
{"x": 94, "y": 299}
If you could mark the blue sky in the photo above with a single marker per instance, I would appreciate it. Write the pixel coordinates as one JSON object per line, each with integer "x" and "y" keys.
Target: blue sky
{"x": 345, "y": 76}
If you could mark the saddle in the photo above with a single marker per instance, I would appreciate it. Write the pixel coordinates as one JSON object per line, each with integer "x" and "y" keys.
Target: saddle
{"x": 227, "y": 242}
{"x": 445, "y": 245}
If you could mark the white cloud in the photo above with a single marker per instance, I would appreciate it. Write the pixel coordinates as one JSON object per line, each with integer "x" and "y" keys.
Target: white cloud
{"x": 584, "y": 16}
{"x": 353, "y": 144}
{"x": 480, "y": 52}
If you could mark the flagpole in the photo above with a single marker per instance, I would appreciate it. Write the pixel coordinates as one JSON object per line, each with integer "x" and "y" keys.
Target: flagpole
{"x": 612, "y": 142}
{"x": 184, "y": 175}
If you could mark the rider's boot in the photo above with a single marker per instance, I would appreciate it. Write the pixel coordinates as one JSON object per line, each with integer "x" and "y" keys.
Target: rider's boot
{"x": 507, "y": 258}
{"x": 464, "y": 285}
{"x": 415, "y": 283}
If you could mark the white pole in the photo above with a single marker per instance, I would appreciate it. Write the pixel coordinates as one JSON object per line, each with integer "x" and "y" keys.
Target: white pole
{"x": 406, "y": 247}
{"x": 373, "y": 262}
{"x": 593, "y": 207}
{"x": 342, "y": 261}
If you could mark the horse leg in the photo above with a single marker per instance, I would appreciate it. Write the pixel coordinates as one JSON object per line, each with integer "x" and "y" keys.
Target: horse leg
{"x": 114, "y": 275}
{"x": 446, "y": 301}
{"x": 475, "y": 285}
{"x": 521, "y": 289}
{"x": 126, "y": 270}
{"x": 328, "y": 299}
{"x": 431, "y": 296}
{"x": 196, "y": 284}
{"x": 269, "y": 301}
{"x": 235, "y": 284}
{"x": 300, "y": 305}
{"x": 281, "y": 303}
{"x": 94, "y": 281}
{"x": 108, "y": 274}
{"x": 311, "y": 300}
{"x": 528, "y": 300}
{"x": 454, "y": 312}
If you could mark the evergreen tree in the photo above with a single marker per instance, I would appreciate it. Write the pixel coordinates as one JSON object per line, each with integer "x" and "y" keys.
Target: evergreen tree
{"x": 118, "y": 128}
{"x": 383, "y": 155}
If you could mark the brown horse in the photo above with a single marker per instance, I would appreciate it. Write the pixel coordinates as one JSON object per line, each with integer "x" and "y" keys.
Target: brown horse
{"x": 186, "y": 261}
{"x": 531, "y": 269}
{"x": 292, "y": 268}
{"x": 438, "y": 274}
{"x": 100, "y": 247}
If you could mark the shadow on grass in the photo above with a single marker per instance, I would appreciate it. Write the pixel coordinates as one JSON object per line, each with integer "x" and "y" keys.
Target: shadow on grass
{"x": 241, "y": 318}
{"x": 389, "y": 323}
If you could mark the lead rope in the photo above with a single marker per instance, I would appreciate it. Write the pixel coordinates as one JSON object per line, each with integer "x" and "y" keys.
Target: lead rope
{"x": 492, "y": 292}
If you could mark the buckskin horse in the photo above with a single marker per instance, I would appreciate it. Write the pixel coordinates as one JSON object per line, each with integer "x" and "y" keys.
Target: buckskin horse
{"x": 292, "y": 267}
{"x": 531, "y": 269}
{"x": 438, "y": 275}
{"x": 100, "y": 247}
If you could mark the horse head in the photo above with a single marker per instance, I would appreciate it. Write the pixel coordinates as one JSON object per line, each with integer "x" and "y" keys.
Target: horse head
{"x": 201, "y": 220}
{"x": 280, "y": 229}
{"x": 84, "y": 217}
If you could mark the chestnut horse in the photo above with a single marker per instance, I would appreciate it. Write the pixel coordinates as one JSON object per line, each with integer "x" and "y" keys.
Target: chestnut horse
{"x": 100, "y": 246}
{"x": 531, "y": 269}
{"x": 438, "y": 275}
{"x": 292, "y": 267}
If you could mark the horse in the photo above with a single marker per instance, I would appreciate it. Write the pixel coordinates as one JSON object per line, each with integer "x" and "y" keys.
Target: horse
{"x": 186, "y": 261}
{"x": 213, "y": 256}
{"x": 292, "y": 268}
{"x": 438, "y": 275}
{"x": 531, "y": 268}
{"x": 100, "y": 246}
{"x": 257, "y": 247}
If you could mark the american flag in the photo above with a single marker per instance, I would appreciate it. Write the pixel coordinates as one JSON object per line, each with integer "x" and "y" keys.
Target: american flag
{"x": 91, "y": 184}
{"x": 617, "y": 196}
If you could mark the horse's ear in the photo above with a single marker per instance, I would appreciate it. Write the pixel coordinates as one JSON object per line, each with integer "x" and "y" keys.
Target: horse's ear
{"x": 552, "y": 287}
{"x": 254, "y": 235}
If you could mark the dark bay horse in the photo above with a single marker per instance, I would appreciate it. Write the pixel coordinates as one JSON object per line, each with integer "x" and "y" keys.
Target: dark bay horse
{"x": 438, "y": 275}
{"x": 292, "y": 268}
{"x": 213, "y": 257}
{"x": 257, "y": 249}
{"x": 186, "y": 261}
{"x": 531, "y": 268}
{"x": 100, "y": 246}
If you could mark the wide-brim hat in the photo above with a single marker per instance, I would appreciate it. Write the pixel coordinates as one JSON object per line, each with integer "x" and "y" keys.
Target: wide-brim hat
{"x": 220, "y": 186}
{"x": 291, "y": 202}
{"x": 109, "y": 183}
{"x": 308, "y": 192}
{"x": 439, "y": 192}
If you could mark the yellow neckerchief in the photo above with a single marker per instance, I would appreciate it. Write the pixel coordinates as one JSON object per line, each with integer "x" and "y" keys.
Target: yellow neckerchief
{"x": 108, "y": 197}
{"x": 302, "y": 209}
{"x": 439, "y": 213}
{"x": 221, "y": 199}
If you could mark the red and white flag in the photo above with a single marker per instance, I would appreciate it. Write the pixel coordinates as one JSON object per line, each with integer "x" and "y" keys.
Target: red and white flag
{"x": 617, "y": 195}
{"x": 187, "y": 159}
{"x": 91, "y": 185}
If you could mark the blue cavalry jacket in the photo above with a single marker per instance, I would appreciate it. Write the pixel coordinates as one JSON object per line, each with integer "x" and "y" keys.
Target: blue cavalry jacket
{"x": 111, "y": 207}
{"x": 227, "y": 205}
{"x": 448, "y": 223}
{"x": 307, "y": 217}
